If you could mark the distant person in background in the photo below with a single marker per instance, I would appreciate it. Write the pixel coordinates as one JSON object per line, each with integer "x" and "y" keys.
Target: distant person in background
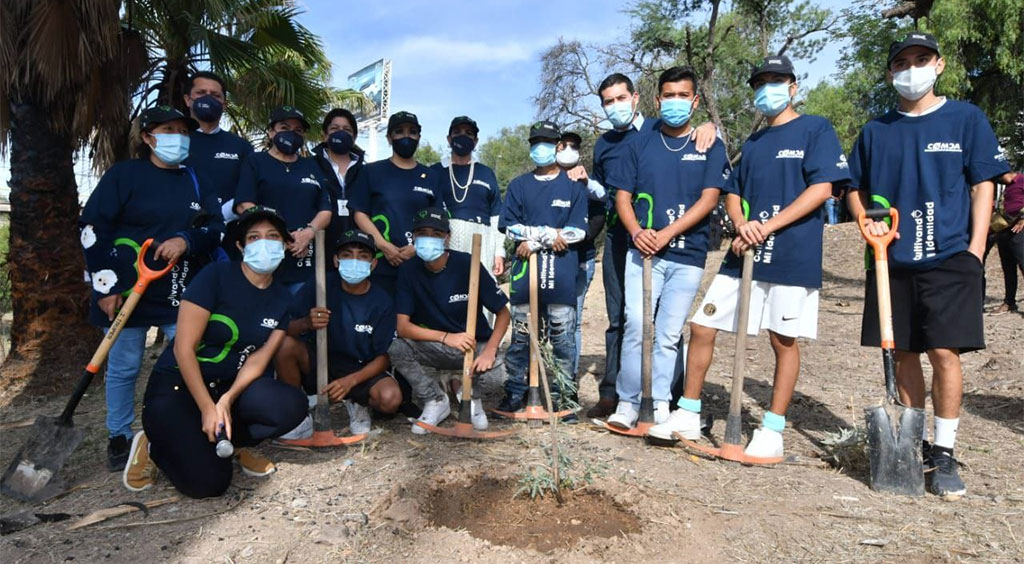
{"x": 153, "y": 196}
{"x": 1007, "y": 234}
{"x": 832, "y": 205}
{"x": 341, "y": 162}
{"x": 291, "y": 184}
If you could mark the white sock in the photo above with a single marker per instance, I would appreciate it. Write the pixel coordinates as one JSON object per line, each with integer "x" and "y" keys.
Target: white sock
{"x": 945, "y": 431}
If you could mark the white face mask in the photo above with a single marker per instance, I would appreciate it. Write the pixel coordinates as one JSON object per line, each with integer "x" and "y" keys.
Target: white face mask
{"x": 915, "y": 82}
{"x": 568, "y": 157}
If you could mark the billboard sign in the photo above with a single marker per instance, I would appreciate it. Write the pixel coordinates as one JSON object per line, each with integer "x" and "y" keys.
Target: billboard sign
{"x": 370, "y": 81}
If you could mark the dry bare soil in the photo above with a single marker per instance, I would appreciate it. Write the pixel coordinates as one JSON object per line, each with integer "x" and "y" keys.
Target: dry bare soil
{"x": 399, "y": 497}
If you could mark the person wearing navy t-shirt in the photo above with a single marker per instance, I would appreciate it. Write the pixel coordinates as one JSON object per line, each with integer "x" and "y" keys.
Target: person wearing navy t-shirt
{"x": 932, "y": 159}
{"x": 775, "y": 198}
{"x": 155, "y": 197}
{"x": 341, "y": 161}
{"x": 472, "y": 196}
{"x": 214, "y": 380}
{"x": 360, "y": 323}
{"x": 293, "y": 185}
{"x": 432, "y": 302}
{"x": 666, "y": 192}
{"x": 545, "y": 212}
{"x": 389, "y": 193}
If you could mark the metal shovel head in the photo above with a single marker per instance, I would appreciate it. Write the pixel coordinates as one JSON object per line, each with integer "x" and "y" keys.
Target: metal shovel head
{"x": 32, "y": 475}
{"x": 895, "y": 452}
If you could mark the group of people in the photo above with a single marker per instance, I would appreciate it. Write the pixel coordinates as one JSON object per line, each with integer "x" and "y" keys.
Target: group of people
{"x": 239, "y": 305}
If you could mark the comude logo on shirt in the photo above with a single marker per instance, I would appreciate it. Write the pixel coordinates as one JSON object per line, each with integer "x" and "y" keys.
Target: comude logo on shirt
{"x": 482, "y": 183}
{"x": 790, "y": 154}
{"x": 694, "y": 157}
{"x": 231, "y": 156}
{"x": 368, "y": 329}
{"x": 310, "y": 180}
{"x": 943, "y": 147}
{"x": 455, "y": 298}
{"x": 423, "y": 190}
{"x": 269, "y": 323}
{"x": 842, "y": 162}
{"x": 561, "y": 204}
{"x": 195, "y": 206}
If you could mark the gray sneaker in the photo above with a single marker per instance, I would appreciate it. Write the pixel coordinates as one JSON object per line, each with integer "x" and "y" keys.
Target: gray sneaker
{"x": 945, "y": 480}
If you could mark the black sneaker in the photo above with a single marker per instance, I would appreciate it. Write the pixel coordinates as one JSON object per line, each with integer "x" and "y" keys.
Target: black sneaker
{"x": 117, "y": 453}
{"x": 945, "y": 480}
{"x": 571, "y": 418}
{"x": 510, "y": 404}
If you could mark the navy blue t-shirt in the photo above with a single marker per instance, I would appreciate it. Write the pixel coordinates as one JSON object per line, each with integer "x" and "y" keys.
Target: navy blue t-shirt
{"x": 218, "y": 156}
{"x": 479, "y": 202}
{"x": 439, "y": 300}
{"x": 136, "y": 200}
{"x": 610, "y": 152}
{"x": 361, "y": 326}
{"x": 778, "y": 164}
{"x": 665, "y": 184}
{"x": 297, "y": 191}
{"x": 558, "y": 203}
{"x": 924, "y": 166}
{"x": 391, "y": 196}
{"x": 242, "y": 318}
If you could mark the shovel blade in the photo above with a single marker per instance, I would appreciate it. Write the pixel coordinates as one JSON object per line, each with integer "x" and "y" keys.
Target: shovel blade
{"x": 32, "y": 475}
{"x": 895, "y": 452}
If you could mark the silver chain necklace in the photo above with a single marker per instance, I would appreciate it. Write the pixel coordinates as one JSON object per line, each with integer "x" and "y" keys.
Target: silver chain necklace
{"x": 665, "y": 143}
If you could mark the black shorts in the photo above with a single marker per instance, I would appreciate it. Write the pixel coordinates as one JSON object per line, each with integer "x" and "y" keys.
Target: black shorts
{"x": 939, "y": 308}
{"x": 339, "y": 367}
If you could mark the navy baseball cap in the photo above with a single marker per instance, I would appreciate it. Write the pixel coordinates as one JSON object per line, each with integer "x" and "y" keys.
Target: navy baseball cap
{"x": 257, "y": 214}
{"x": 912, "y": 39}
{"x": 357, "y": 237}
{"x": 544, "y": 131}
{"x": 464, "y": 120}
{"x": 436, "y": 218}
{"x": 572, "y": 137}
{"x": 282, "y": 113}
{"x": 152, "y": 117}
{"x": 399, "y": 118}
{"x": 778, "y": 64}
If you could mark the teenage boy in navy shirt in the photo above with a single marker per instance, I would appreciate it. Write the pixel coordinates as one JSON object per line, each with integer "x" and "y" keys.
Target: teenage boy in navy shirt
{"x": 666, "y": 190}
{"x": 545, "y": 212}
{"x": 932, "y": 159}
{"x": 775, "y": 199}
{"x": 387, "y": 194}
{"x": 432, "y": 302}
{"x": 360, "y": 322}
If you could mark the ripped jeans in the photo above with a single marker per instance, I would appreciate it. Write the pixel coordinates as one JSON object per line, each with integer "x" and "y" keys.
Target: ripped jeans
{"x": 558, "y": 324}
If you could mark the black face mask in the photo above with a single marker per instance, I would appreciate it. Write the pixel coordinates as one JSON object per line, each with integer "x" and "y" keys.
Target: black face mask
{"x": 207, "y": 109}
{"x": 340, "y": 142}
{"x": 288, "y": 142}
{"x": 462, "y": 145}
{"x": 405, "y": 147}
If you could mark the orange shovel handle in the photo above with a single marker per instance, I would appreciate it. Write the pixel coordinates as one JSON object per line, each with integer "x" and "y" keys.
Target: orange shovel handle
{"x": 879, "y": 243}
{"x": 146, "y": 274}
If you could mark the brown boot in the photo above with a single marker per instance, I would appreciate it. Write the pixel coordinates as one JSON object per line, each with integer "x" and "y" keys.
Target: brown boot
{"x": 603, "y": 408}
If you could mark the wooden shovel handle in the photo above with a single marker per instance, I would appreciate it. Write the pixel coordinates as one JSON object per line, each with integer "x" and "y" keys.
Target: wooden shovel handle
{"x": 534, "y": 317}
{"x": 471, "y": 316}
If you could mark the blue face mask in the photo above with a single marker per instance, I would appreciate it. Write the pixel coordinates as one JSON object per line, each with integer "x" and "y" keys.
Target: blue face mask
{"x": 676, "y": 111}
{"x": 171, "y": 148}
{"x": 429, "y": 248}
{"x": 354, "y": 271}
{"x": 263, "y": 255}
{"x": 207, "y": 109}
{"x": 288, "y": 142}
{"x": 542, "y": 154}
{"x": 620, "y": 114}
{"x": 771, "y": 99}
{"x": 340, "y": 142}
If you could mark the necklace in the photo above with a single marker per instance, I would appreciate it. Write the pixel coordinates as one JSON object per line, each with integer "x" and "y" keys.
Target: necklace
{"x": 665, "y": 143}
{"x": 455, "y": 183}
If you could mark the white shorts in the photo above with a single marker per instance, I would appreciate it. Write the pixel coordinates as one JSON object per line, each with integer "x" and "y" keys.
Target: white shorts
{"x": 791, "y": 311}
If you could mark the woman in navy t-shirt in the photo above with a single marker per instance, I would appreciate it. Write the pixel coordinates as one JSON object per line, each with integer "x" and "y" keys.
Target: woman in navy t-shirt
{"x": 215, "y": 380}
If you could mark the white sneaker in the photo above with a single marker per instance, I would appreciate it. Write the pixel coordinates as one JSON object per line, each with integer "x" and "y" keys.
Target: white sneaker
{"x": 477, "y": 415}
{"x": 625, "y": 416}
{"x": 304, "y": 430}
{"x": 686, "y": 423}
{"x": 765, "y": 444}
{"x": 311, "y": 400}
{"x": 358, "y": 418}
{"x": 660, "y": 412}
{"x": 434, "y": 412}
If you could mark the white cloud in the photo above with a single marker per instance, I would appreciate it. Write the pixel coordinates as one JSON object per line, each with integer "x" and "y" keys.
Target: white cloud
{"x": 434, "y": 53}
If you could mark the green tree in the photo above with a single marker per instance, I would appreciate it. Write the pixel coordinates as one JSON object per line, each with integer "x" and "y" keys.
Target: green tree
{"x": 508, "y": 154}
{"x": 427, "y": 154}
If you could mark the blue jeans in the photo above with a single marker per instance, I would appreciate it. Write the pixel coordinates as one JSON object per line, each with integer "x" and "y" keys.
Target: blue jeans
{"x": 832, "y": 211}
{"x": 673, "y": 288}
{"x": 123, "y": 365}
{"x": 583, "y": 279}
{"x": 613, "y": 265}
{"x": 558, "y": 324}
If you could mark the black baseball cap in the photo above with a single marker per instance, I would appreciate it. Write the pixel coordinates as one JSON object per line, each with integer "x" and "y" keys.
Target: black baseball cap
{"x": 544, "y": 130}
{"x": 357, "y": 237}
{"x": 431, "y": 217}
{"x": 256, "y": 214}
{"x": 399, "y": 118}
{"x": 572, "y": 137}
{"x": 152, "y": 117}
{"x": 912, "y": 39}
{"x": 778, "y": 64}
{"x": 464, "y": 120}
{"x": 282, "y": 113}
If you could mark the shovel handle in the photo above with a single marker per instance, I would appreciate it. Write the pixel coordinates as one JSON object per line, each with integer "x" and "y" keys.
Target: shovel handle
{"x": 472, "y": 311}
{"x": 880, "y": 244}
{"x": 535, "y": 316}
{"x": 733, "y": 424}
{"x": 322, "y": 411}
{"x": 647, "y": 345}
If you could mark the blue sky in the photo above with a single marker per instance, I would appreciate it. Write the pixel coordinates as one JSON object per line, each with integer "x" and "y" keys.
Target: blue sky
{"x": 478, "y": 58}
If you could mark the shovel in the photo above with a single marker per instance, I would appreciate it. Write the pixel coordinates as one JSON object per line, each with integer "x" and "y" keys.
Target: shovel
{"x": 323, "y": 435}
{"x": 894, "y": 453}
{"x": 32, "y": 475}
{"x": 646, "y": 418}
{"x": 463, "y": 429}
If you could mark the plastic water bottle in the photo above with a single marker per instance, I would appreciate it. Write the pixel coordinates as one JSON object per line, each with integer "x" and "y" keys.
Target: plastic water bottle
{"x": 224, "y": 447}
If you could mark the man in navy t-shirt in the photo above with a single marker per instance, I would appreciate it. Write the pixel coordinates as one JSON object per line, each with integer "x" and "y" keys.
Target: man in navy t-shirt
{"x": 932, "y": 159}
{"x": 775, "y": 199}
{"x": 432, "y": 304}
{"x": 666, "y": 190}
{"x": 387, "y": 194}
{"x": 360, "y": 322}
{"x": 545, "y": 212}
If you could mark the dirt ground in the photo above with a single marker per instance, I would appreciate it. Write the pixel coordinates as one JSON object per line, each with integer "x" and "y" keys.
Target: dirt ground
{"x": 375, "y": 502}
